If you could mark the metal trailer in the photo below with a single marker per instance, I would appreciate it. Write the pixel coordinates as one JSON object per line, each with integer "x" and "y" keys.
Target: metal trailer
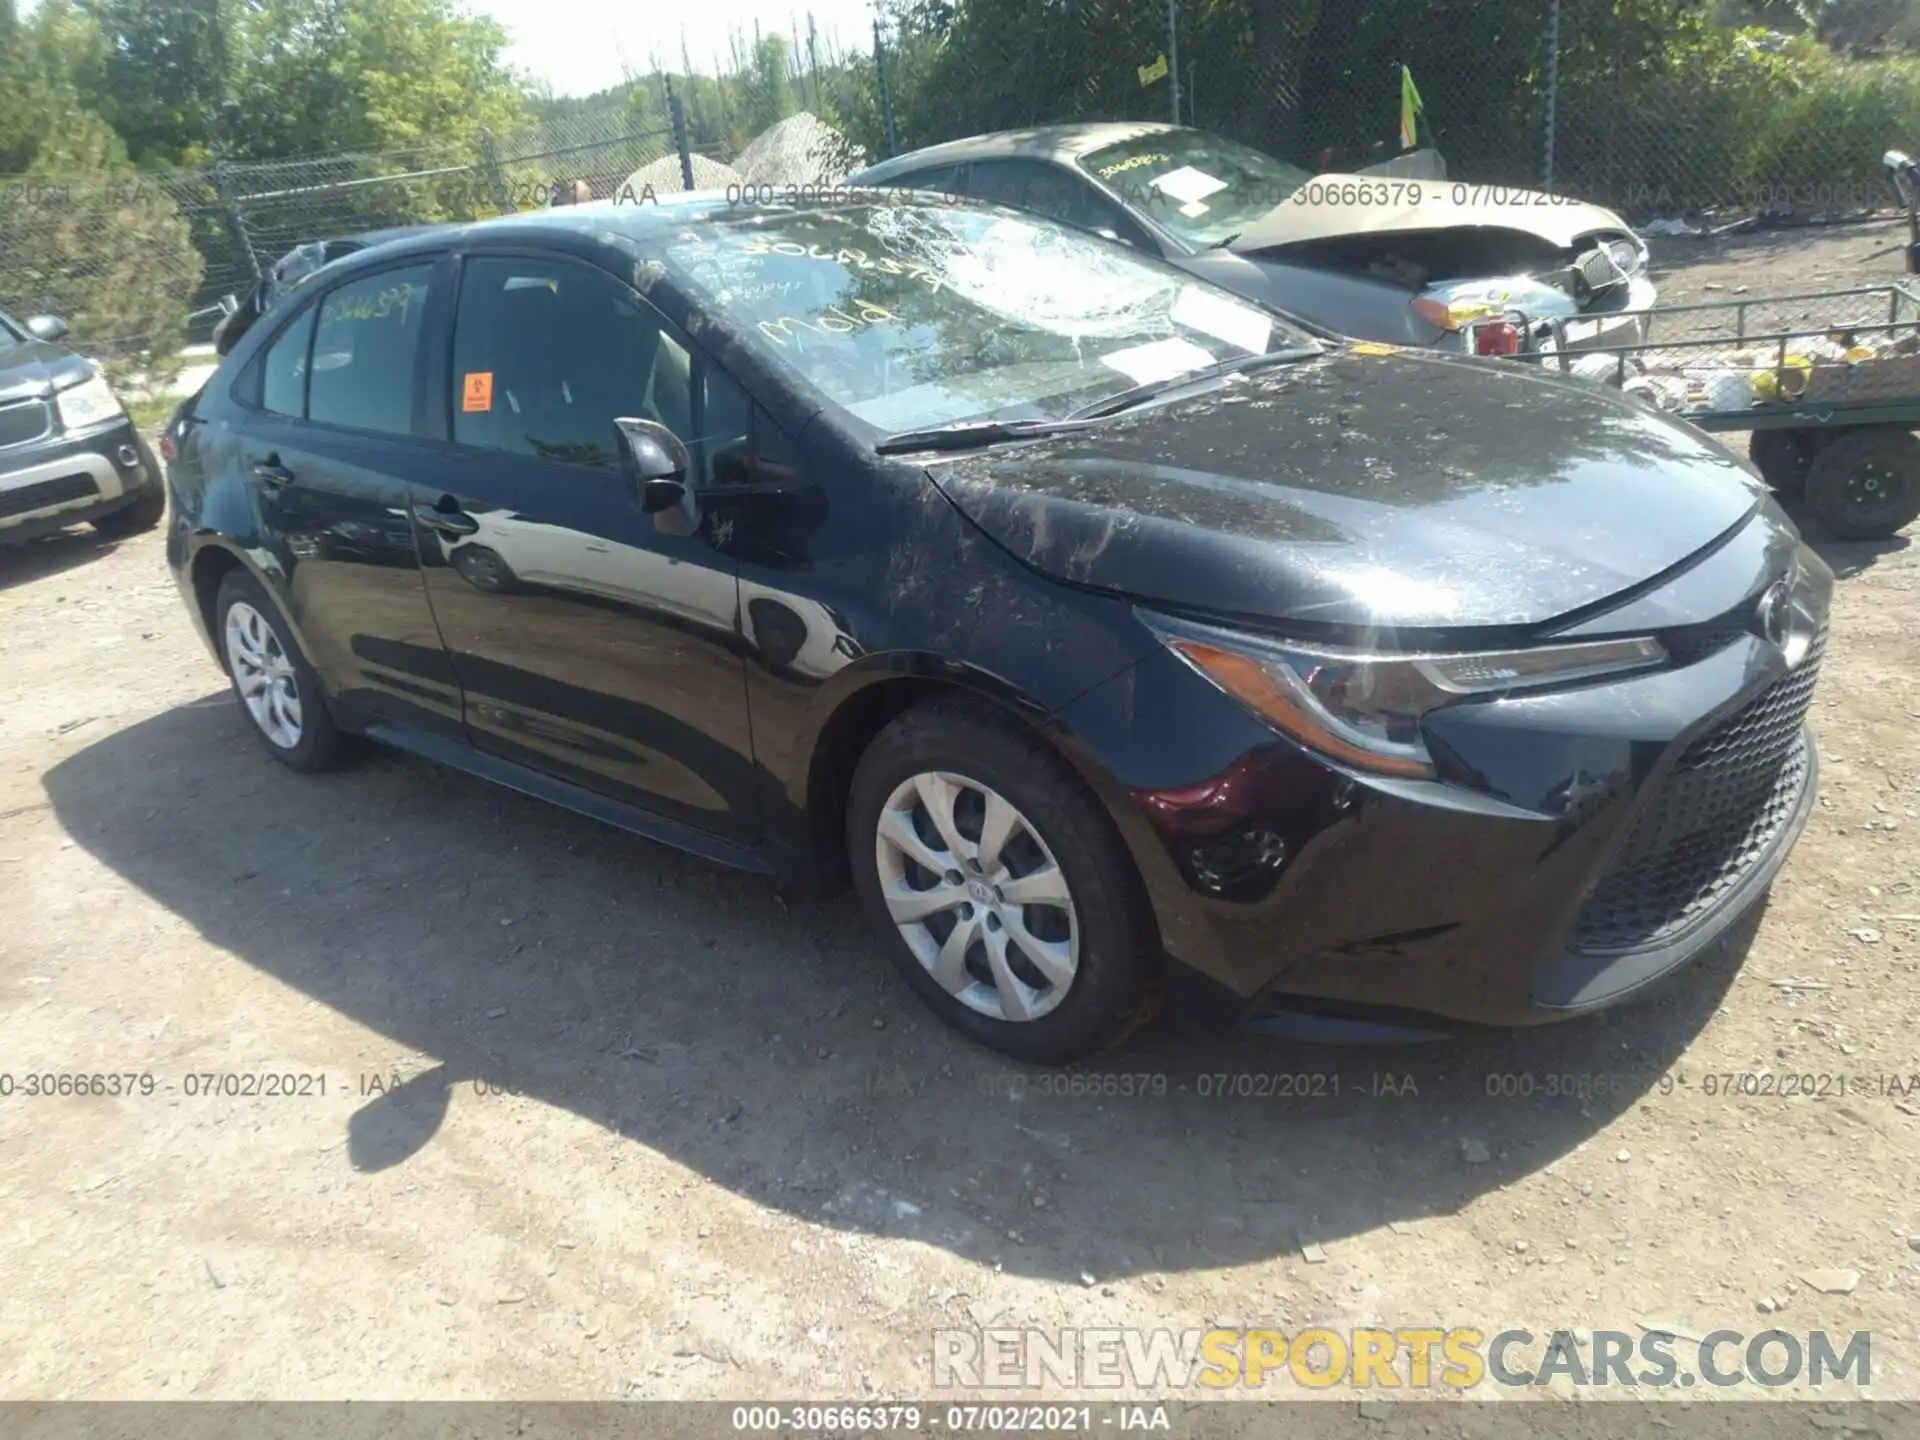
{"x": 1826, "y": 383}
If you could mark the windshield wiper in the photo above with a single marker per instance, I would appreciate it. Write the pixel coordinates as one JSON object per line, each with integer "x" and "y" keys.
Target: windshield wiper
{"x": 1154, "y": 389}
{"x": 1223, "y": 244}
{"x": 972, "y": 434}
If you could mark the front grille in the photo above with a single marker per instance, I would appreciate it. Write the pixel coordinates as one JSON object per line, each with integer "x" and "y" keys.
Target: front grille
{"x": 46, "y": 492}
{"x": 1697, "y": 642}
{"x": 25, "y": 420}
{"x": 1714, "y": 817}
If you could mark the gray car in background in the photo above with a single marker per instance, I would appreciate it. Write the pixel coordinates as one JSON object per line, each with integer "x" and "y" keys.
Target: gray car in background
{"x": 1398, "y": 253}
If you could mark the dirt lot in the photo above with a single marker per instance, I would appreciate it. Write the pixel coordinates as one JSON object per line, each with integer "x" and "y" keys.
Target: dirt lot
{"x": 600, "y": 1120}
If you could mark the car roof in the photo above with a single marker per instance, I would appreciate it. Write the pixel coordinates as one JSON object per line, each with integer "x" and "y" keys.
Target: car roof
{"x": 622, "y": 227}
{"x": 366, "y": 238}
{"x": 1046, "y": 142}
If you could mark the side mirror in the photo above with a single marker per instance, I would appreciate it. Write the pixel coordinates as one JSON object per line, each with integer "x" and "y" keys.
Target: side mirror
{"x": 47, "y": 327}
{"x": 656, "y": 461}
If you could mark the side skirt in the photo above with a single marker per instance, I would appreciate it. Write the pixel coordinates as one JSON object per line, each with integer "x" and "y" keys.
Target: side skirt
{"x": 579, "y": 799}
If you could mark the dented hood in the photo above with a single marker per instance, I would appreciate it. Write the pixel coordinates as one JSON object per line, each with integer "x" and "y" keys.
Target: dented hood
{"x": 1365, "y": 490}
{"x": 1444, "y": 205}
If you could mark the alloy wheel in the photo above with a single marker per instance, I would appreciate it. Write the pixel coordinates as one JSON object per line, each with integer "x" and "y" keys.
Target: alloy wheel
{"x": 977, "y": 896}
{"x": 264, "y": 675}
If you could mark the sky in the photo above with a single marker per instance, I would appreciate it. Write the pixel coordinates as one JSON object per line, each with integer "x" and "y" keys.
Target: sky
{"x": 580, "y": 46}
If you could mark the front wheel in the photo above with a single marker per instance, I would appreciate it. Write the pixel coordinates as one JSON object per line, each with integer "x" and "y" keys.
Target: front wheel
{"x": 1002, "y": 889}
{"x": 1865, "y": 484}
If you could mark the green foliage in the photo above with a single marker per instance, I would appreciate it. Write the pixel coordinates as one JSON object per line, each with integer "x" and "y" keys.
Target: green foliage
{"x": 1824, "y": 121}
{"x": 1870, "y": 26}
{"x": 768, "y": 90}
{"x": 163, "y": 76}
{"x": 183, "y": 80}
{"x": 1661, "y": 104}
{"x": 114, "y": 258}
{"x": 40, "y": 59}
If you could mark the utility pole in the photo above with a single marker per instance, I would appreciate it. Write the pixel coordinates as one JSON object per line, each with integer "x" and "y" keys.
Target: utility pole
{"x": 886, "y": 94}
{"x": 1553, "y": 89}
{"x": 1173, "y": 54}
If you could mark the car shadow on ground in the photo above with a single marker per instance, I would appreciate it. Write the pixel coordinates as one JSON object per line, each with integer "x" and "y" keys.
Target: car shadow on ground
{"x": 763, "y": 1042}
{"x": 1848, "y": 558}
{"x": 50, "y": 555}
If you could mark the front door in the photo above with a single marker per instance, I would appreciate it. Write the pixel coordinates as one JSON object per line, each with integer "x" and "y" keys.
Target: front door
{"x": 592, "y": 641}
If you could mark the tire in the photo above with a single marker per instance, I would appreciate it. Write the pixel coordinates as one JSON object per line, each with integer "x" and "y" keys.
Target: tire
{"x": 1782, "y": 457}
{"x": 483, "y": 568}
{"x": 135, "y": 519}
{"x": 1099, "y": 982}
{"x": 1865, "y": 484}
{"x": 248, "y": 624}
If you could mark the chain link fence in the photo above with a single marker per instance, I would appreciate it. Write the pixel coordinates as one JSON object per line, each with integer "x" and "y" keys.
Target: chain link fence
{"x": 139, "y": 263}
{"x": 1657, "y": 107}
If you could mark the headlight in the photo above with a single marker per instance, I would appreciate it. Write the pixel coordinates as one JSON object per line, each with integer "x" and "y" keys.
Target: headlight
{"x": 1364, "y": 708}
{"x": 1455, "y": 304}
{"x": 1629, "y": 255}
{"x": 87, "y": 403}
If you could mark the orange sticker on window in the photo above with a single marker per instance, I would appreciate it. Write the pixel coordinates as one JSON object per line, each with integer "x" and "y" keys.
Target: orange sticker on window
{"x": 477, "y": 391}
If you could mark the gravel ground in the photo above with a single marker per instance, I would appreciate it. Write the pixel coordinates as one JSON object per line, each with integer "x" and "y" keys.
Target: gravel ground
{"x": 600, "y": 1120}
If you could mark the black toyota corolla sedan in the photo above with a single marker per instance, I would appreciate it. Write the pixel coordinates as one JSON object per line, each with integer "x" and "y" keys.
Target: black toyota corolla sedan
{"x": 1104, "y": 629}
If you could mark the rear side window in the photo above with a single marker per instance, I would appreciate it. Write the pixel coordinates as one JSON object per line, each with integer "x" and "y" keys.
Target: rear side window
{"x": 283, "y": 369}
{"x": 941, "y": 179}
{"x": 366, "y": 341}
{"x": 1053, "y": 191}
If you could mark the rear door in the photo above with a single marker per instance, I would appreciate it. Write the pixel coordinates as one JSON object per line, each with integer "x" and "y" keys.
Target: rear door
{"x": 329, "y": 432}
{"x": 593, "y": 642}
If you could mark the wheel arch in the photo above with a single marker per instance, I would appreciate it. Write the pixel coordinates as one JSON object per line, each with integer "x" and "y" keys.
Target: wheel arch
{"x": 212, "y": 561}
{"x": 207, "y": 571}
{"x": 883, "y": 694}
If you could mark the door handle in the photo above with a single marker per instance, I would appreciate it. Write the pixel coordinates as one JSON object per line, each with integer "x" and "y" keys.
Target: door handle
{"x": 272, "y": 471}
{"x": 448, "y": 520}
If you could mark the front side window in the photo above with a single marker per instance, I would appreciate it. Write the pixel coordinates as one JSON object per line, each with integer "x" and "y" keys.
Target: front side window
{"x": 548, "y": 353}
{"x": 1204, "y": 188}
{"x": 10, "y": 338}
{"x": 907, "y": 313}
{"x": 366, "y": 342}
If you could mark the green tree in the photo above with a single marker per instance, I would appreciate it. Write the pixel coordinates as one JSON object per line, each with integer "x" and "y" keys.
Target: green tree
{"x": 167, "y": 69}
{"x": 316, "y": 76}
{"x": 111, "y": 253}
{"x": 768, "y": 85}
{"x": 1870, "y": 25}
{"x": 39, "y": 60}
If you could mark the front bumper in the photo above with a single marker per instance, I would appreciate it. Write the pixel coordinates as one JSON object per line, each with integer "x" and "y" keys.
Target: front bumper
{"x": 1625, "y": 326}
{"x": 51, "y": 484}
{"x": 1581, "y": 844}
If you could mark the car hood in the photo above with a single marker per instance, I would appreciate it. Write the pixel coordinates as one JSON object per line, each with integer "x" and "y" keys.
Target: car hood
{"x": 37, "y": 369}
{"x": 1365, "y": 489}
{"x": 1443, "y": 205}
